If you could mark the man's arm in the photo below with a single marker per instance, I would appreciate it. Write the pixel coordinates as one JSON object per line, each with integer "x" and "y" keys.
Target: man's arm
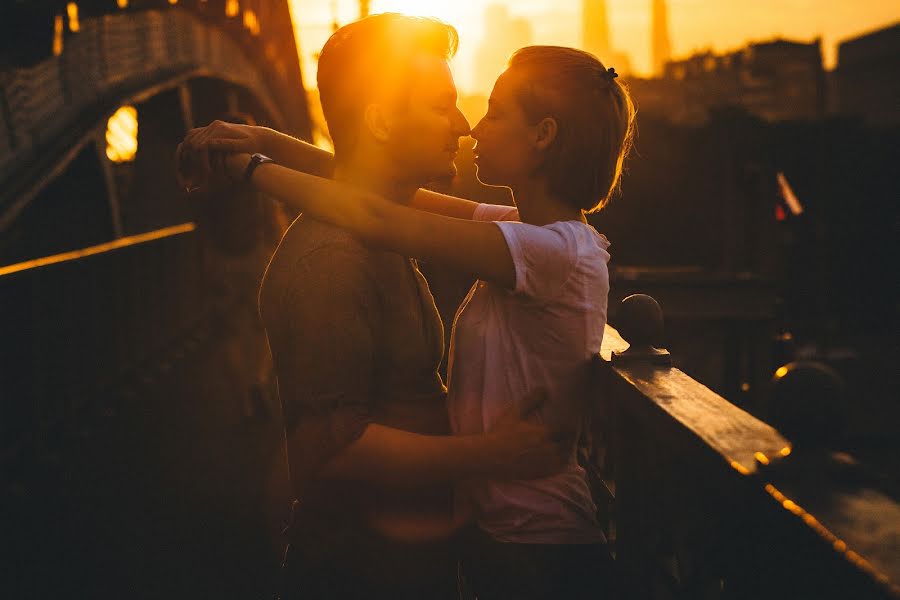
{"x": 398, "y": 458}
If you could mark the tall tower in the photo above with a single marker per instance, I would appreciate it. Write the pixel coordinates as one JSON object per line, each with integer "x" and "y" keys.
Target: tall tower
{"x": 661, "y": 49}
{"x": 504, "y": 33}
{"x": 595, "y": 28}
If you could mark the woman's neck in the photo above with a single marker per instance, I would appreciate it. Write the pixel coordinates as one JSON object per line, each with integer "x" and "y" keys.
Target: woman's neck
{"x": 537, "y": 206}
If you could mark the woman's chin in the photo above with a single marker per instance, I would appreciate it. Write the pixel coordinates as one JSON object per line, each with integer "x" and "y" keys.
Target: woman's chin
{"x": 484, "y": 175}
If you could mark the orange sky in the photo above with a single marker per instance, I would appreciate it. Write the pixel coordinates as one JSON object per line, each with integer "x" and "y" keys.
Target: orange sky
{"x": 694, "y": 24}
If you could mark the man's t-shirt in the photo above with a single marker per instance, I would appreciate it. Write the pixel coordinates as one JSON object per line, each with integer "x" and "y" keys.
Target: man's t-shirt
{"x": 356, "y": 339}
{"x": 508, "y": 345}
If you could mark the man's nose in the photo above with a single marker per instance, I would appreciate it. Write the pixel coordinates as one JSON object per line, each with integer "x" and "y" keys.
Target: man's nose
{"x": 461, "y": 125}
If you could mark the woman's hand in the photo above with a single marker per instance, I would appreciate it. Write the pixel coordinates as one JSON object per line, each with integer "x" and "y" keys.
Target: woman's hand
{"x": 195, "y": 156}
{"x": 220, "y": 136}
{"x": 234, "y": 165}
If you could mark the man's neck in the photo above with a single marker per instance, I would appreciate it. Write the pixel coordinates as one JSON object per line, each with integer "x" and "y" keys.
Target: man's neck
{"x": 376, "y": 179}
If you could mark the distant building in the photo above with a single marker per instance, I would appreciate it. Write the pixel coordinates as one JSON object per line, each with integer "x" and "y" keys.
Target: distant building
{"x": 504, "y": 34}
{"x": 661, "y": 47}
{"x": 867, "y": 78}
{"x": 776, "y": 80}
{"x": 595, "y": 36}
{"x": 594, "y": 27}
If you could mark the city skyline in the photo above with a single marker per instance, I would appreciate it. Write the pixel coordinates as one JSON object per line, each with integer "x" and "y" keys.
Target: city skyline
{"x": 694, "y": 25}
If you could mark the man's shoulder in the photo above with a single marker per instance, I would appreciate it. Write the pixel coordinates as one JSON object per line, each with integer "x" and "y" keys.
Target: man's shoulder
{"x": 306, "y": 236}
{"x": 313, "y": 254}
{"x": 311, "y": 246}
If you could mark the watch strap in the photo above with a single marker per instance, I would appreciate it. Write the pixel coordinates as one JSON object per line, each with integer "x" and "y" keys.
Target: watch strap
{"x": 255, "y": 160}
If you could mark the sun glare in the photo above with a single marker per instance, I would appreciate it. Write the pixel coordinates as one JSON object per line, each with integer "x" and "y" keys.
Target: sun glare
{"x": 466, "y": 17}
{"x": 446, "y": 11}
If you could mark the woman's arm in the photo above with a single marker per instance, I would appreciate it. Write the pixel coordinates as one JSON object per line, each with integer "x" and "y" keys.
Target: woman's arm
{"x": 442, "y": 204}
{"x": 296, "y": 154}
{"x": 192, "y": 156}
{"x": 220, "y": 136}
{"x": 471, "y": 246}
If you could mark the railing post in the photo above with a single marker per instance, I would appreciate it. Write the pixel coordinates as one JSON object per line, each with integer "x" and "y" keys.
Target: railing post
{"x": 640, "y": 321}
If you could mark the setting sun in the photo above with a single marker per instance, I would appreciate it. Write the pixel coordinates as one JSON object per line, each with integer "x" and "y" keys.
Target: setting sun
{"x": 451, "y": 12}
{"x": 466, "y": 17}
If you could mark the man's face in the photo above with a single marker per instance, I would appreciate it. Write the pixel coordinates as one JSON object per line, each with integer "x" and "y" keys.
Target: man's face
{"x": 426, "y": 127}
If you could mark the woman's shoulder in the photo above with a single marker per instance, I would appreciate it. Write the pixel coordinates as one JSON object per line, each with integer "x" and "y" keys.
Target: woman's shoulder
{"x": 590, "y": 251}
{"x": 584, "y": 239}
{"x": 552, "y": 258}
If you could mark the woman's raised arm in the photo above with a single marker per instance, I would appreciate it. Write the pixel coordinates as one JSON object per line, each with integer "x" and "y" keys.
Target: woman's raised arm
{"x": 221, "y": 136}
{"x": 470, "y": 246}
{"x": 442, "y": 204}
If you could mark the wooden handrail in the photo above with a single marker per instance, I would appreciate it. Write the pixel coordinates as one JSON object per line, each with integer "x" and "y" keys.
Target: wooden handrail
{"x": 708, "y": 501}
{"x": 737, "y": 436}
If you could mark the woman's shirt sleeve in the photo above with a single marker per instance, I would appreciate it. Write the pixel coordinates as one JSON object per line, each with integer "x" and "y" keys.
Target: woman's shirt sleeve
{"x": 544, "y": 257}
{"x": 495, "y": 212}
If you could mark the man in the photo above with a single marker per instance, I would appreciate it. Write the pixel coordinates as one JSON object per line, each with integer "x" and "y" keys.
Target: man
{"x": 357, "y": 340}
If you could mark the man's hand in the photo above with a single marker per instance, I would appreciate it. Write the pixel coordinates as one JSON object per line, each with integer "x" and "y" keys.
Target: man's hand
{"x": 525, "y": 449}
{"x": 530, "y": 451}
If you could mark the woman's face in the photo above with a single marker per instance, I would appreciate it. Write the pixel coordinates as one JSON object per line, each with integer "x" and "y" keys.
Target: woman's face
{"x": 504, "y": 152}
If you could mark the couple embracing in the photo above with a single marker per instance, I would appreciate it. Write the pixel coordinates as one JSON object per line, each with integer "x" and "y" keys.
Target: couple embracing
{"x": 405, "y": 486}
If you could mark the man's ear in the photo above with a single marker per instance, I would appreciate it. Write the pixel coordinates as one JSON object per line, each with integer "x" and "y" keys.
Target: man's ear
{"x": 545, "y": 132}
{"x": 378, "y": 122}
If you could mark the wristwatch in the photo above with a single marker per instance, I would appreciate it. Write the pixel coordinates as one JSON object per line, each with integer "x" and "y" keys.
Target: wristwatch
{"x": 255, "y": 160}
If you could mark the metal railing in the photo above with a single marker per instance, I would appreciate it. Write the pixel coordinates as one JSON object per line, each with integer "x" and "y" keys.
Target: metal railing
{"x": 79, "y": 325}
{"x": 111, "y": 57}
{"x": 115, "y": 56}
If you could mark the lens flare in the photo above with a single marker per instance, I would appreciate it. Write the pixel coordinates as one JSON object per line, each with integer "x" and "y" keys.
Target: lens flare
{"x": 72, "y": 10}
{"x": 121, "y": 135}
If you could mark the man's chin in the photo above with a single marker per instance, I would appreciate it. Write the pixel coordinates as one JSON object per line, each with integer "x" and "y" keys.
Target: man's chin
{"x": 441, "y": 175}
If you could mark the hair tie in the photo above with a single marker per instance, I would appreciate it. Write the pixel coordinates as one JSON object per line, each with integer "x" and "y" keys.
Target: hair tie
{"x": 611, "y": 74}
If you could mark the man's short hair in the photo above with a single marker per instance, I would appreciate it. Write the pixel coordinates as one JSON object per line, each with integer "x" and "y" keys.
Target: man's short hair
{"x": 366, "y": 57}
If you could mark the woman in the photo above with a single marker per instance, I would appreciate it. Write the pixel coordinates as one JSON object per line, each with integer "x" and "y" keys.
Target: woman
{"x": 557, "y": 131}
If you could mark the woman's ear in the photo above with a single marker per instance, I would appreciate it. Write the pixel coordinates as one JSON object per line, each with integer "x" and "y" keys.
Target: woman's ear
{"x": 545, "y": 132}
{"x": 378, "y": 122}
